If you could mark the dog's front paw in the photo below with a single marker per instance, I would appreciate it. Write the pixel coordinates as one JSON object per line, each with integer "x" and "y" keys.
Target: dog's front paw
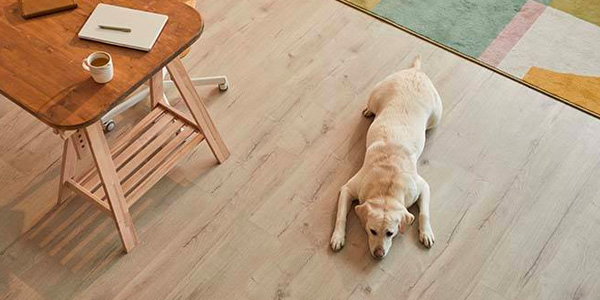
{"x": 426, "y": 237}
{"x": 337, "y": 241}
{"x": 367, "y": 113}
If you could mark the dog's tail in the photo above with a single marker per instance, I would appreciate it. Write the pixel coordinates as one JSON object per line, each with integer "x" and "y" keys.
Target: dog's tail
{"x": 417, "y": 62}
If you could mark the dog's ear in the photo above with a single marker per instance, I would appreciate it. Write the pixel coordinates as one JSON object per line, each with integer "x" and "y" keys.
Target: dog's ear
{"x": 406, "y": 220}
{"x": 362, "y": 211}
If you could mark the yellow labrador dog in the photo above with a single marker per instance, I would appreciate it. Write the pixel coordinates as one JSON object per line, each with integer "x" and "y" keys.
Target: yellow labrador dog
{"x": 405, "y": 104}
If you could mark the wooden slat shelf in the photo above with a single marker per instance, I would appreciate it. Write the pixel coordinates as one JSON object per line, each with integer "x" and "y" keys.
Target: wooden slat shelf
{"x": 144, "y": 155}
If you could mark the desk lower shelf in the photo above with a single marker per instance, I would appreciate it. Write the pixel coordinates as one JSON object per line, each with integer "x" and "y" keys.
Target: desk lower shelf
{"x": 143, "y": 155}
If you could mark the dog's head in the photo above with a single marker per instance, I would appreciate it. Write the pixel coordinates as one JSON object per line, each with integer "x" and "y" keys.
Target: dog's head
{"x": 382, "y": 222}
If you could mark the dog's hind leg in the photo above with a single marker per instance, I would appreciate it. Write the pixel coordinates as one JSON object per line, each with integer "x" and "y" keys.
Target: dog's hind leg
{"x": 338, "y": 238}
{"x": 436, "y": 113}
{"x": 425, "y": 232}
{"x": 373, "y": 103}
{"x": 367, "y": 113}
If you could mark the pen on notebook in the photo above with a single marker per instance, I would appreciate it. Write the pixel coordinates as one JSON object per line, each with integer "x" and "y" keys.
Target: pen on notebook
{"x": 123, "y": 29}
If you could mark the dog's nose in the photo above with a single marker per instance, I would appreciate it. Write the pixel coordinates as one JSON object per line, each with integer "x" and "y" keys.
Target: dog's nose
{"x": 379, "y": 253}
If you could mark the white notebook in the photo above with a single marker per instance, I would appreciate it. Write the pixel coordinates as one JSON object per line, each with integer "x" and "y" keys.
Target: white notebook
{"x": 145, "y": 27}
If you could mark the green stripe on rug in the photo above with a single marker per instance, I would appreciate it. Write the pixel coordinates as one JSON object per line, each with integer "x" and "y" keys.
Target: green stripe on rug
{"x": 465, "y": 25}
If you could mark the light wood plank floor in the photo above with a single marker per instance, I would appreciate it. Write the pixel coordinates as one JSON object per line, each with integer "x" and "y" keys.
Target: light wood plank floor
{"x": 514, "y": 177}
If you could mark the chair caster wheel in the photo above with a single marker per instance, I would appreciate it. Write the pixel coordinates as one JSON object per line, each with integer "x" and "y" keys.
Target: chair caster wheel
{"x": 223, "y": 87}
{"x": 109, "y": 126}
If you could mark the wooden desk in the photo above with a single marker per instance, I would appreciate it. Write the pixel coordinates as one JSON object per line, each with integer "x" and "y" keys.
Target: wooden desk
{"x": 40, "y": 67}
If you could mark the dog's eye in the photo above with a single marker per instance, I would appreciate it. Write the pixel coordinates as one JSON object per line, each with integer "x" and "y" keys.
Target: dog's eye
{"x": 389, "y": 233}
{"x": 373, "y": 232}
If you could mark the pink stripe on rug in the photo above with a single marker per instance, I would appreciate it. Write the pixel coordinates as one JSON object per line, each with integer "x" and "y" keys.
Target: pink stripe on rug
{"x": 512, "y": 33}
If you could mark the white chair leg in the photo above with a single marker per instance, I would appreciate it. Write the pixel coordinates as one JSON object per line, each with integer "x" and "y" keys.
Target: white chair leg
{"x": 221, "y": 81}
{"x": 166, "y": 99}
{"x": 107, "y": 119}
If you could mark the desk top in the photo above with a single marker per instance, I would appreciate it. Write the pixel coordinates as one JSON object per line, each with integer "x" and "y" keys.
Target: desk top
{"x": 40, "y": 60}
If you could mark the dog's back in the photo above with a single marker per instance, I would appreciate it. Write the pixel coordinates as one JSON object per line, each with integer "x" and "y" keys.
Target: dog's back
{"x": 406, "y": 104}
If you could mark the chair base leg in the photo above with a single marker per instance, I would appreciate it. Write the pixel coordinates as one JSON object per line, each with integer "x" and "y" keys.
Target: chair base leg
{"x": 107, "y": 120}
{"x": 220, "y": 80}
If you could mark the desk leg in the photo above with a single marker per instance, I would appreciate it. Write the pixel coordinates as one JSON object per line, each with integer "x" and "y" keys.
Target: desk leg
{"x": 197, "y": 109}
{"x": 67, "y": 170}
{"x": 111, "y": 184}
{"x": 156, "y": 88}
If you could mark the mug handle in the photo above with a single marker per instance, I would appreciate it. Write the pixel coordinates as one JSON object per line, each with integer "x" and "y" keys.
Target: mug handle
{"x": 84, "y": 65}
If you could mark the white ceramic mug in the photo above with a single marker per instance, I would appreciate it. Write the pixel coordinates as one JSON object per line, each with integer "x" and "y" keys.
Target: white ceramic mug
{"x": 100, "y": 73}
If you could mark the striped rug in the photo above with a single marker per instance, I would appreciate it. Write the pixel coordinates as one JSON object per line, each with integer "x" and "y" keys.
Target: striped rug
{"x": 550, "y": 45}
